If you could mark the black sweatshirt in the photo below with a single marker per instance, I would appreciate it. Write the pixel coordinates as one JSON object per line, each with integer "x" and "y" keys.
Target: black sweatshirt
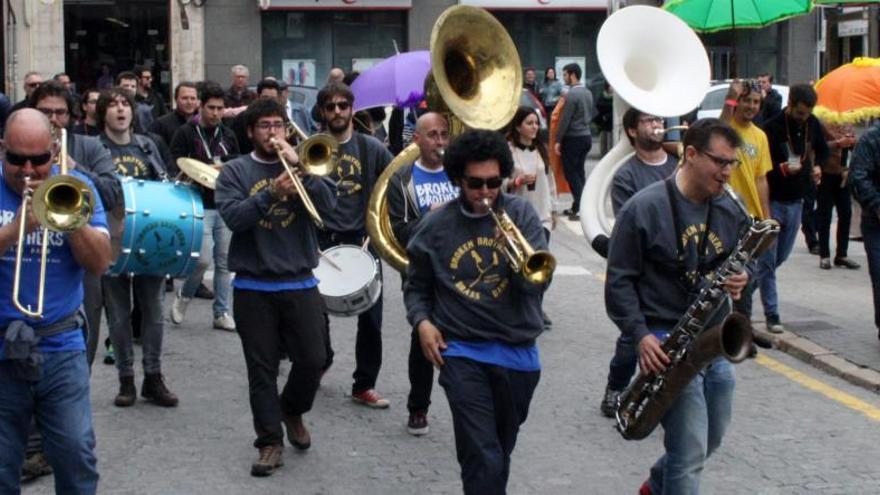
{"x": 784, "y": 131}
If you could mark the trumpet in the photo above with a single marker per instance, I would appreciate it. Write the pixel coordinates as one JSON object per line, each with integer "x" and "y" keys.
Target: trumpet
{"x": 535, "y": 266}
{"x": 297, "y": 183}
{"x": 62, "y": 204}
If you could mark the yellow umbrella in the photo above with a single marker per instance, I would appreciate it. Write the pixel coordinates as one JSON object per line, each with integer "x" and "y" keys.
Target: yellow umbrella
{"x": 850, "y": 93}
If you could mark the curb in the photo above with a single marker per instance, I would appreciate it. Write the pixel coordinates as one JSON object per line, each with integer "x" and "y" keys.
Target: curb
{"x": 821, "y": 358}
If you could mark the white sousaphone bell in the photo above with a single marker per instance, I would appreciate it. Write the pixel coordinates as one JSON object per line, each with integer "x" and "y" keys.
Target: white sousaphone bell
{"x": 655, "y": 63}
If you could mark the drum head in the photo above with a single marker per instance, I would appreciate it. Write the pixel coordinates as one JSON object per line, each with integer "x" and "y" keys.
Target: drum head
{"x": 356, "y": 269}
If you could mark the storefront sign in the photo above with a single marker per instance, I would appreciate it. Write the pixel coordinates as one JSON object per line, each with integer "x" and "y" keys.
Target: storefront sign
{"x": 855, "y": 27}
{"x": 334, "y": 4}
{"x": 539, "y": 4}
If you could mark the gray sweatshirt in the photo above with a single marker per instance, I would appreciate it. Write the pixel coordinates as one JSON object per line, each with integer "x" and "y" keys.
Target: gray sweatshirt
{"x": 576, "y": 113}
{"x": 459, "y": 278}
{"x": 272, "y": 240}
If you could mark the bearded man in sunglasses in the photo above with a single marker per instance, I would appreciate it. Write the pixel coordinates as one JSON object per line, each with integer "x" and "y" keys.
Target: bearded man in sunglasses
{"x": 43, "y": 368}
{"x": 478, "y": 319}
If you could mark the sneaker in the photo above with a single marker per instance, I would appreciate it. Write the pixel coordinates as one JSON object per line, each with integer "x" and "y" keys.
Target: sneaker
{"x": 127, "y": 393}
{"x": 224, "y": 322}
{"x": 418, "y": 423}
{"x": 370, "y": 398}
{"x": 109, "y": 355}
{"x": 268, "y": 461}
{"x": 297, "y": 433}
{"x": 204, "y": 293}
{"x": 645, "y": 489}
{"x": 825, "y": 263}
{"x": 610, "y": 403}
{"x": 178, "y": 308}
{"x": 773, "y": 324}
{"x": 154, "y": 389}
{"x": 753, "y": 350}
{"x": 34, "y": 466}
{"x": 846, "y": 263}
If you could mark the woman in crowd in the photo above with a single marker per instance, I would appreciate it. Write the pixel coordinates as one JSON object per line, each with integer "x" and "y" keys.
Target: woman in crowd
{"x": 551, "y": 90}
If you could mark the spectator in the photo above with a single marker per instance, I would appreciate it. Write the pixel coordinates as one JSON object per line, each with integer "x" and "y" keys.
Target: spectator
{"x": 551, "y": 90}
{"x": 238, "y": 95}
{"x": 186, "y": 102}
{"x": 834, "y": 192}
{"x": 145, "y": 94}
{"x": 604, "y": 118}
{"x": 31, "y": 80}
{"x": 530, "y": 81}
{"x": 574, "y": 135}
{"x": 89, "y": 124}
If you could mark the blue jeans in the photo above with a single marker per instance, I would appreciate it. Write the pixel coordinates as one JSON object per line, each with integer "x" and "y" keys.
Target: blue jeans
{"x": 60, "y": 403}
{"x": 693, "y": 429}
{"x": 788, "y": 214}
{"x": 216, "y": 238}
{"x": 871, "y": 236}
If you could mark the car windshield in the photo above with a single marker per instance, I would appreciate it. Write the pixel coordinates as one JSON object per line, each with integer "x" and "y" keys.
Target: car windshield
{"x": 714, "y": 99}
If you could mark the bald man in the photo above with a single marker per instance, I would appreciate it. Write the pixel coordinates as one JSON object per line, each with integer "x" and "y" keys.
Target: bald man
{"x": 43, "y": 368}
{"x": 413, "y": 191}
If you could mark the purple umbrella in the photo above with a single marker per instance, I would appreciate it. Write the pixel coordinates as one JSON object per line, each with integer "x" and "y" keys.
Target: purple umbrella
{"x": 397, "y": 80}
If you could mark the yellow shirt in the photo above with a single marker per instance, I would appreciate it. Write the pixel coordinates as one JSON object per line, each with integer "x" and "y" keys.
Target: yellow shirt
{"x": 754, "y": 156}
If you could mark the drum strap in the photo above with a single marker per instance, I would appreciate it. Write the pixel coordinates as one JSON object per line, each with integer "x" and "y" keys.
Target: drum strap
{"x": 365, "y": 197}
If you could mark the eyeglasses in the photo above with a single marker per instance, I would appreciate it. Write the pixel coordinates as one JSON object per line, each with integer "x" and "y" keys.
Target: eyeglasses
{"x": 341, "y": 105}
{"x": 722, "y": 162}
{"x": 17, "y": 160}
{"x": 58, "y": 112}
{"x": 265, "y": 126}
{"x": 651, "y": 120}
{"x": 33, "y": 84}
{"x": 478, "y": 183}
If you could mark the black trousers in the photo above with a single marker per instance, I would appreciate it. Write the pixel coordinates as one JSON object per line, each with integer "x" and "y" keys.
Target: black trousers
{"x": 808, "y": 216}
{"x": 368, "y": 343}
{"x": 274, "y": 325}
{"x": 421, "y": 377}
{"x": 574, "y": 156}
{"x": 488, "y": 404}
{"x": 831, "y": 195}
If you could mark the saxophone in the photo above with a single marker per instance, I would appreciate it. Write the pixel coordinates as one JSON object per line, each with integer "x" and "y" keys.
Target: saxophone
{"x": 690, "y": 346}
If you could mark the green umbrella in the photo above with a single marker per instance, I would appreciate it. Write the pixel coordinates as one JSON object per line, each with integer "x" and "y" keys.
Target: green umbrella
{"x": 707, "y": 16}
{"x": 846, "y": 2}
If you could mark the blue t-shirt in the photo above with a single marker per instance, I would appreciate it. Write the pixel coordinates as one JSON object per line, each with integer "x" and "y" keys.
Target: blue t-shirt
{"x": 64, "y": 290}
{"x": 519, "y": 358}
{"x": 432, "y": 187}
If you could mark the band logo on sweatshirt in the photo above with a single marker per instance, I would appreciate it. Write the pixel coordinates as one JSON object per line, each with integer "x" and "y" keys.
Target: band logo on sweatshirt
{"x": 479, "y": 269}
{"x": 348, "y": 175}
{"x": 280, "y": 214}
{"x": 690, "y": 240}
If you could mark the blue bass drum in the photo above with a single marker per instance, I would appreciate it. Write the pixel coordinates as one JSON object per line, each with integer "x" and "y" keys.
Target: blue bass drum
{"x": 160, "y": 230}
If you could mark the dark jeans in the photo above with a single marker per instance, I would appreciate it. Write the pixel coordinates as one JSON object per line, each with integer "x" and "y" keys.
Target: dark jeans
{"x": 574, "y": 157}
{"x": 744, "y": 304}
{"x": 808, "y": 217}
{"x": 421, "y": 377}
{"x": 149, "y": 291}
{"x": 274, "y": 325}
{"x": 368, "y": 343}
{"x": 871, "y": 236}
{"x": 93, "y": 302}
{"x": 829, "y": 196}
{"x": 488, "y": 404}
{"x": 623, "y": 363}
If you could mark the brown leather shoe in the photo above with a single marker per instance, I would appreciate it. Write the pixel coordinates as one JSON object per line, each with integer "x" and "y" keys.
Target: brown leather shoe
{"x": 127, "y": 393}
{"x": 297, "y": 434}
{"x": 155, "y": 390}
{"x": 269, "y": 459}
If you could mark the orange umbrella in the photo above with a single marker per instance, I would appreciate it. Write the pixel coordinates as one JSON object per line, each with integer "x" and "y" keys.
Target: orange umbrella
{"x": 850, "y": 93}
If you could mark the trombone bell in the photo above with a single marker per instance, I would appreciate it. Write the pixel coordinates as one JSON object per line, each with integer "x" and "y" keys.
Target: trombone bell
{"x": 63, "y": 203}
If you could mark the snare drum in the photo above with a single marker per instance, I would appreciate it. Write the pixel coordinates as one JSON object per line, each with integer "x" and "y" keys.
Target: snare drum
{"x": 160, "y": 230}
{"x": 353, "y": 285}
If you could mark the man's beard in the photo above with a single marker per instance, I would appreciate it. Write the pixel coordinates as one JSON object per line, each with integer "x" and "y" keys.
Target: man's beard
{"x": 338, "y": 128}
{"x": 649, "y": 144}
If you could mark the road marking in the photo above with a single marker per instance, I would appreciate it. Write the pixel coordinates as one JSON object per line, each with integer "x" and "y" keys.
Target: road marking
{"x": 832, "y": 393}
{"x": 571, "y": 270}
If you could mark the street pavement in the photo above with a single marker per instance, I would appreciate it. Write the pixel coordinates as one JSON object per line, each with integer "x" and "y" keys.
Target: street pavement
{"x": 795, "y": 430}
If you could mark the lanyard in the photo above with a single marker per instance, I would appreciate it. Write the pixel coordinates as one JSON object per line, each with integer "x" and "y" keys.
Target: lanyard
{"x": 206, "y": 144}
{"x": 676, "y": 220}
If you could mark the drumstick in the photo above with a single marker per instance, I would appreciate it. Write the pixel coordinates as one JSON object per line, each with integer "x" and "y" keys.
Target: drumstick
{"x": 329, "y": 261}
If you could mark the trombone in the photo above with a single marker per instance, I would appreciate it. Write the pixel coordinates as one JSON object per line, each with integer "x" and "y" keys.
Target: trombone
{"x": 318, "y": 156}
{"x": 535, "y": 266}
{"x": 61, "y": 203}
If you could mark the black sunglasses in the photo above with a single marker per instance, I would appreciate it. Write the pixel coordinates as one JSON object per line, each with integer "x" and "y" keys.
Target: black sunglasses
{"x": 20, "y": 160}
{"x": 341, "y": 105}
{"x": 478, "y": 183}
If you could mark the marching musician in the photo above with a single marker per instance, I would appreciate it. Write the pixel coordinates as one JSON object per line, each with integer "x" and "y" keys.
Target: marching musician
{"x": 137, "y": 156}
{"x": 278, "y": 310}
{"x": 211, "y": 142}
{"x": 43, "y": 367}
{"x": 362, "y": 159}
{"x": 666, "y": 239}
{"x": 476, "y": 318}
{"x": 413, "y": 191}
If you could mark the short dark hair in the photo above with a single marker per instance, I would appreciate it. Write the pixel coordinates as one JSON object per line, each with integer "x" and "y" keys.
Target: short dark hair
{"x": 574, "y": 69}
{"x": 59, "y": 75}
{"x": 107, "y": 96}
{"x": 263, "y": 108}
{"x": 334, "y": 89}
{"x": 140, "y": 69}
{"x": 631, "y": 121}
{"x": 85, "y": 98}
{"x": 700, "y": 133}
{"x": 802, "y": 93}
{"x": 184, "y": 84}
{"x": 210, "y": 89}
{"x": 51, "y": 88}
{"x": 268, "y": 84}
{"x": 751, "y": 86}
{"x": 768, "y": 75}
{"x": 477, "y": 145}
{"x": 124, "y": 75}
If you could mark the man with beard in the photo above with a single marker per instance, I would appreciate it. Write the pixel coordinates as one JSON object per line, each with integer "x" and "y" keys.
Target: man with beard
{"x": 88, "y": 126}
{"x": 186, "y": 101}
{"x": 361, "y": 159}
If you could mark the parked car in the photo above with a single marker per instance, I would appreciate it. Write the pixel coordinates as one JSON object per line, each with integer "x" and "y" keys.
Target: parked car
{"x": 714, "y": 100}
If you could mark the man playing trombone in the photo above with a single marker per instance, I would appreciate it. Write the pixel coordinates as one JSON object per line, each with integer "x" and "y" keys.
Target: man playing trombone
{"x": 43, "y": 368}
{"x": 477, "y": 317}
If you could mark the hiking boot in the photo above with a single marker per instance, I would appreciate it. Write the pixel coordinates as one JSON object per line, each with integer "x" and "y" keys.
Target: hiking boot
{"x": 127, "y": 393}
{"x": 418, "y": 423}
{"x": 269, "y": 459}
{"x": 34, "y": 466}
{"x": 610, "y": 402}
{"x": 178, "y": 308}
{"x": 371, "y": 398}
{"x": 774, "y": 325}
{"x": 846, "y": 263}
{"x": 154, "y": 389}
{"x": 204, "y": 293}
{"x": 825, "y": 263}
{"x": 297, "y": 434}
{"x": 224, "y": 322}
